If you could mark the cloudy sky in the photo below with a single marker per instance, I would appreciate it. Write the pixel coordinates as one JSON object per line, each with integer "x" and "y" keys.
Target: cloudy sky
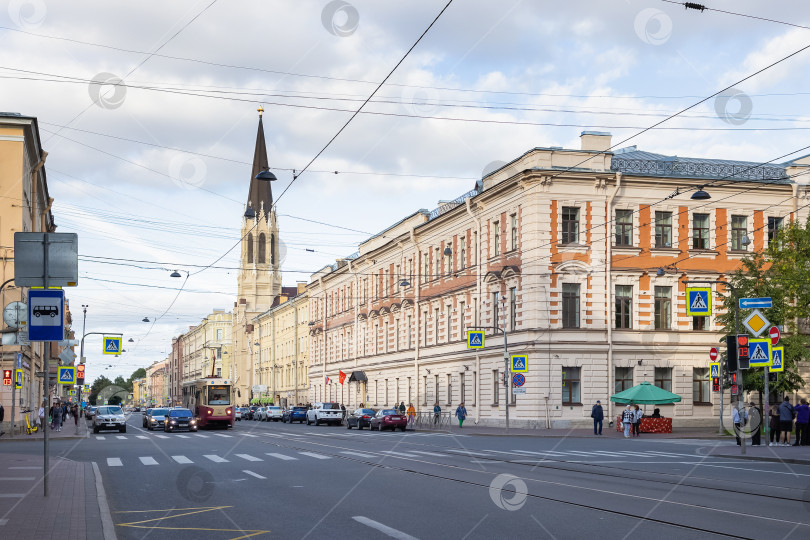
{"x": 153, "y": 173}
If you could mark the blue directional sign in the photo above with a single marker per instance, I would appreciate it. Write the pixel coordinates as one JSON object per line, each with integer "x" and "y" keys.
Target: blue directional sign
{"x": 698, "y": 302}
{"x": 67, "y": 375}
{"x": 46, "y": 315}
{"x": 777, "y": 359}
{"x": 759, "y": 352}
{"x": 751, "y": 303}
{"x": 112, "y": 345}
{"x": 475, "y": 339}
{"x": 520, "y": 363}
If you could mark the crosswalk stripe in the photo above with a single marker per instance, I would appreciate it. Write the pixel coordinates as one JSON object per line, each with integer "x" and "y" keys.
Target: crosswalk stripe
{"x": 114, "y": 462}
{"x": 201, "y": 435}
{"x": 282, "y": 456}
{"x": 120, "y": 436}
{"x": 141, "y": 436}
{"x": 435, "y": 454}
{"x": 215, "y": 459}
{"x": 99, "y": 437}
{"x": 248, "y": 457}
{"x": 316, "y": 456}
{"x": 466, "y": 452}
{"x": 251, "y": 473}
{"x": 248, "y": 435}
{"x": 358, "y": 454}
{"x": 148, "y": 460}
{"x": 162, "y": 436}
{"x": 222, "y": 435}
{"x": 182, "y": 436}
{"x": 182, "y": 460}
{"x": 397, "y": 454}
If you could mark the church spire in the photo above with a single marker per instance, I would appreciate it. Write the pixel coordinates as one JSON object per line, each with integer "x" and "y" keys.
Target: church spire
{"x": 260, "y": 194}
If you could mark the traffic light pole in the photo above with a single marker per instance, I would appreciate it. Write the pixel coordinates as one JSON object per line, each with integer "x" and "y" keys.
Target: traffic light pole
{"x": 508, "y": 385}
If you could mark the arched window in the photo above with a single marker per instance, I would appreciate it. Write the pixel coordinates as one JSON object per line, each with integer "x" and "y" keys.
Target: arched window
{"x": 262, "y": 248}
{"x": 250, "y": 247}
{"x": 272, "y": 249}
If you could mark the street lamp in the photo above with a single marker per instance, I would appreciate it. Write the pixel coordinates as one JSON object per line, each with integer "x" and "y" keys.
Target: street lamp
{"x": 266, "y": 175}
{"x": 145, "y": 319}
{"x": 700, "y": 195}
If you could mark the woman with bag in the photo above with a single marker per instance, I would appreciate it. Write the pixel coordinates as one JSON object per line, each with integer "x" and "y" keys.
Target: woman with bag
{"x": 461, "y": 414}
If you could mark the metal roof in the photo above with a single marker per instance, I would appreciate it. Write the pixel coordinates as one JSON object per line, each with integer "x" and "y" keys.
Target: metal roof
{"x": 649, "y": 164}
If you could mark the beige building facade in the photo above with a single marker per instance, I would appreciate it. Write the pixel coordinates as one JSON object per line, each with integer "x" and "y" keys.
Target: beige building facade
{"x": 281, "y": 363}
{"x": 579, "y": 256}
{"x": 206, "y": 348}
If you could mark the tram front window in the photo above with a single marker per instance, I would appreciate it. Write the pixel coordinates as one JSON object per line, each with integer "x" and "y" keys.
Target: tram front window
{"x": 218, "y": 395}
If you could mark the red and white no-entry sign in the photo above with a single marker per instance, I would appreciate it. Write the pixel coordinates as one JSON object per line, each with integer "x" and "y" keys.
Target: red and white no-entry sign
{"x": 774, "y": 334}
{"x": 713, "y": 354}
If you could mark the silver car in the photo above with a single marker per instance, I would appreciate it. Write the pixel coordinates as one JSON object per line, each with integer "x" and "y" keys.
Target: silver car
{"x": 109, "y": 417}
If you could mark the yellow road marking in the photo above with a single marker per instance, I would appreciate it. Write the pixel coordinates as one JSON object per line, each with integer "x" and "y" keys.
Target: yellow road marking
{"x": 197, "y": 510}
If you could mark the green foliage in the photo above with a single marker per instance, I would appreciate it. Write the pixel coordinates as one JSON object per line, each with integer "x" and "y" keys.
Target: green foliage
{"x": 782, "y": 274}
{"x": 125, "y": 384}
{"x": 139, "y": 373}
{"x": 100, "y": 383}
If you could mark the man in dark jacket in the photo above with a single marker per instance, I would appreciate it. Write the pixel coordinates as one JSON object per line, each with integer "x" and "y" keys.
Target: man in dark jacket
{"x": 598, "y": 415}
{"x": 786, "y": 420}
{"x": 802, "y": 420}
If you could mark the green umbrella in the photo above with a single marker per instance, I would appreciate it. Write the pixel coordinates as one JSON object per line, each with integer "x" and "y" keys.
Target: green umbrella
{"x": 645, "y": 394}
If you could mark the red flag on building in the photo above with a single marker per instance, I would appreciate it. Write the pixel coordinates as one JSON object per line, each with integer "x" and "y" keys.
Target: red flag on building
{"x": 341, "y": 377}
{"x": 327, "y": 380}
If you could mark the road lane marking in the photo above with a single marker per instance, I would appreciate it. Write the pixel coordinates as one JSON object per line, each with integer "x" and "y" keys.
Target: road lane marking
{"x": 114, "y": 462}
{"x": 435, "y": 454}
{"x": 385, "y": 529}
{"x": 11, "y": 495}
{"x": 316, "y": 456}
{"x": 251, "y": 473}
{"x": 248, "y": 457}
{"x": 98, "y": 437}
{"x": 148, "y": 460}
{"x": 201, "y": 435}
{"x": 162, "y": 436}
{"x": 222, "y": 435}
{"x": 359, "y": 454}
{"x": 248, "y": 435}
{"x": 19, "y": 478}
{"x": 120, "y": 436}
{"x": 182, "y": 459}
{"x": 27, "y": 468}
{"x": 141, "y": 436}
{"x": 215, "y": 459}
{"x": 397, "y": 454}
{"x": 467, "y": 452}
{"x": 182, "y": 436}
{"x": 282, "y": 456}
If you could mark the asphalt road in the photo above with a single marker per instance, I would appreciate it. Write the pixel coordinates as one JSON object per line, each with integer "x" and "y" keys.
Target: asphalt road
{"x": 295, "y": 481}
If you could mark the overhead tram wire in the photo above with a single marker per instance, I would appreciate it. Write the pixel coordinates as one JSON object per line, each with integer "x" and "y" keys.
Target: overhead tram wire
{"x": 702, "y": 7}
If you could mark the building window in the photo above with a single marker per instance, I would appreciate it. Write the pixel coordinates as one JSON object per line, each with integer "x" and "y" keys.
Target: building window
{"x": 396, "y": 335}
{"x": 463, "y": 254}
{"x": 462, "y": 315}
{"x": 376, "y": 338}
{"x": 449, "y": 260}
{"x": 624, "y": 379}
{"x": 700, "y": 323}
{"x": 449, "y": 389}
{"x": 250, "y": 247}
{"x": 570, "y": 305}
{"x": 463, "y": 389}
{"x": 496, "y": 386}
{"x": 495, "y": 315}
{"x": 262, "y": 248}
{"x": 426, "y": 329}
{"x": 496, "y": 228}
{"x": 700, "y": 231}
{"x": 386, "y": 393}
{"x": 398, "y": 279}
{"x": 624, "y": 301}
{"x": 774, "y": 224}
{"x": 409, "y": 391}
{"x": 663, "y": 307}
{"x": 409, "y": 332}
{"x": 514, "y": 232}
{"x": 424, "y": 389}
{"x": 624, "y": 227}
{"x": 396, "y": 391}
{"x": 219, "y": 334}
{"x": 700, "y": 386}
{"x": 449, "y": 329}
{"x": 570, "y": 386}
{"x": 663, "y": 378}
{"x": 663, "y": 229}
{"x": 385, "y": 337}
{"x": 427, "y": 267}
{"x": 436, "y": 326}
{"x": 570, "y": 225}
{"x": 437, "y": 263}
{"x": 513, "y": 308}
{"x": 739, "y": 230}
{"x": 436, "y": 387}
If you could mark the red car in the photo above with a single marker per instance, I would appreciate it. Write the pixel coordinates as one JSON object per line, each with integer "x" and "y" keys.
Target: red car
{"x": 388, "y": 419}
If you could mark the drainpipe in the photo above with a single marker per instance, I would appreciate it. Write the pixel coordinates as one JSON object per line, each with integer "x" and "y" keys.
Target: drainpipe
{"x": 609, "y": 289}
{"x": 416, "y": 287}
{"x": 478, "y": 302}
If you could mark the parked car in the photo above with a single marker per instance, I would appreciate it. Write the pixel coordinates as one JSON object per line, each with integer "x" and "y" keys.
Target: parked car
{"x": 252, "y": 410}
{"x": 237, "y": 413}
{"x": 89, "y": 412}
{"x": 258, "y": 414}
{"x": 329, "y": 413}
{"x": 294, "y": 414}
{"x": 178, "y": 418}
{"x": 145, "y": 416}
{"x": 273, "y": 413}
{"x": 360, "y": 418}
{"x": 109, "y": 417}
{"x": 388, "y": 419}
{"x": 156, "y": 418}
{"x": 136, "y": 409}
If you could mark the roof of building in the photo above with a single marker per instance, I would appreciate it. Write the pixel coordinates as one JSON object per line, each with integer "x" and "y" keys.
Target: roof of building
{"x": 260, "y": 194}
{"x": 638, "y": 162}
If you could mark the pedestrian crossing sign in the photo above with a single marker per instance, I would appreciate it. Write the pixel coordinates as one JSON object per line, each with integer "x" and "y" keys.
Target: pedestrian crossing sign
{"x": 18, "y": 378}
{"x": 715, "y": 369}
{"x": 112, "y": 345}
{"x": 777, "y": 359}
{"x": 71, "y": 392}
{"x": 759, "y": 352}
{"x": 698, "y": 302}
{"x": 520, "y": 363}
{"x": 67, "y": 375}
{"x": 475, "y": 339}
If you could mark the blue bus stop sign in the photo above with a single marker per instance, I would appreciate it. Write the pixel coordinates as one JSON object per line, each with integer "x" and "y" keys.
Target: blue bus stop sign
{"x": 46, "y": 315}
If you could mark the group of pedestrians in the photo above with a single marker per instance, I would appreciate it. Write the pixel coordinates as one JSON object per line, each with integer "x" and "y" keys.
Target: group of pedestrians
{"x": 781, "y": 423}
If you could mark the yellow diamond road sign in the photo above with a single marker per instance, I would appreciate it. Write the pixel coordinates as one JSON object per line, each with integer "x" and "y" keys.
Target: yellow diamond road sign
{"x": 756, "y": 323}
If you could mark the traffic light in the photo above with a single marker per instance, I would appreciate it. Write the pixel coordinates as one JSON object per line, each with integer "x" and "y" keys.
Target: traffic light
{"x": 742, "y": 352}
{"x": 80, "y": 374}
{"x": 773, "y": 377}
{"x": 735, "y": 388}
{"x": 6, "y": 377}
{"x": 715, "y": 384}
{"x": 731, "y": 354}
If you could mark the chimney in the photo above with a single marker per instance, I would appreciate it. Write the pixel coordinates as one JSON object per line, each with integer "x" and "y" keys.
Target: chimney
{"x": 597, "y": 141}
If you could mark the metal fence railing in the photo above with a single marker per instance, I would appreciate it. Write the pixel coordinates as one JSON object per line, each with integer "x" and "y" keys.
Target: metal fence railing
{"x": 431, "y": 420}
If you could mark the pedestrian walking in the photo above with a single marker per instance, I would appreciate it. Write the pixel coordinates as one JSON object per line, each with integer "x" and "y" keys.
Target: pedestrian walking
{"x": 2, "y": 415}
{"x": 775, "y": 426}
{"x": 402, "y": 408}
{"x": 627, "y": 420}
{"x": 41, "y": 416}
{"x": 786, "y": 420}
{"x": 598, "y": 415}
{"x": 637, "y": 414}
{"x": 802, "y": 420}
{"x": 437, "y": 413}
{"x": 76, "y": 415}
{"x": 739, "y": 420}
{"x": 461, "y": 414}
{"x": 411, "y": 414}
{"x": 57, "y": 418}
{"x": 343, "y": 411}
{"x": 756, "y": 433}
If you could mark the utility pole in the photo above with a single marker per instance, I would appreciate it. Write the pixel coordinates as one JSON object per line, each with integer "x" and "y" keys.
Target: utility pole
{"x": 81, "y": 360}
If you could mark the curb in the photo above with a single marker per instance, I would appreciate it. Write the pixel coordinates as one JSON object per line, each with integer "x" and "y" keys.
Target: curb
{"x": 567, "y": 435}
{"x": 107, "y": 525}
{"x": 792, "y": 461}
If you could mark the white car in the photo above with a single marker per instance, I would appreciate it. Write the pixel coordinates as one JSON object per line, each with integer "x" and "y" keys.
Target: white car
{"x": 237, "y": 413}
{"x": 260, "y": 414}
{"x": 273, "y": 413}
{"x": 109, "y": 417}
{"x": 329, "y": 413}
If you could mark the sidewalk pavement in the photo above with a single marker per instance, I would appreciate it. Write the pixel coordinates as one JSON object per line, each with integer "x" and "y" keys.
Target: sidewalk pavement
{"x": 75, "y": 509}
{"x": 797, "y": 455}
{"x": 607, "y": 432}
{"x": 69, "y": 431}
